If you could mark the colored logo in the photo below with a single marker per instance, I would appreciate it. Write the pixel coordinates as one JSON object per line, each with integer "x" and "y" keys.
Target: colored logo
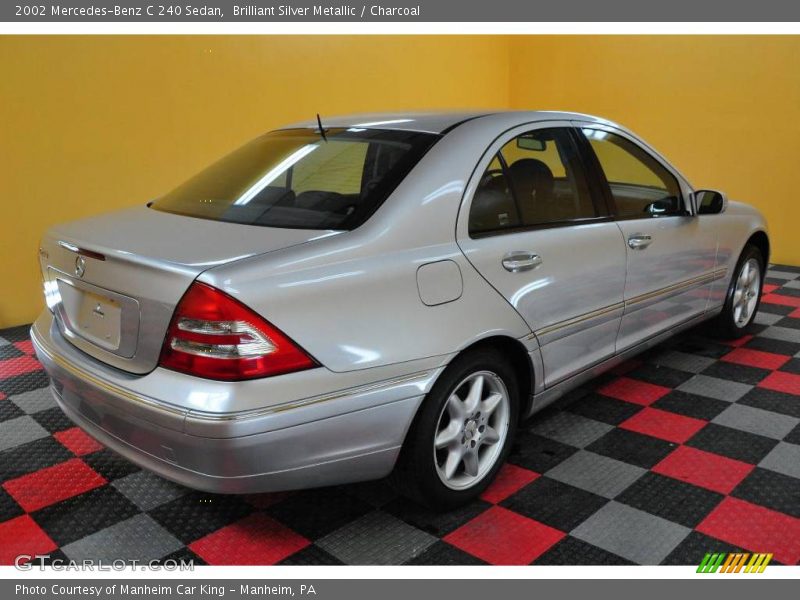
{"x": 734, "y": 562}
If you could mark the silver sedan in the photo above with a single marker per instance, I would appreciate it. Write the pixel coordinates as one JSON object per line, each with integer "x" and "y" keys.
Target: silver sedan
{"x": 343, "y": 299}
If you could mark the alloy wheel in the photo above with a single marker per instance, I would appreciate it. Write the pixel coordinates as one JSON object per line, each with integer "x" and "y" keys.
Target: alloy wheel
{"x": 745, "y": 294}
{"x": 471, "y": 430}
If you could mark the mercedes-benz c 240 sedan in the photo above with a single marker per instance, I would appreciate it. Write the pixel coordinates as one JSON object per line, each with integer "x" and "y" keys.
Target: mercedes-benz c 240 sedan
{"x": 338, "y": 301}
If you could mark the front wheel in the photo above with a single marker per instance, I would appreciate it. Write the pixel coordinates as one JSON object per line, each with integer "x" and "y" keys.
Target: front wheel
{"x": 463, "y": 432}
{"x": 744, "y": 294}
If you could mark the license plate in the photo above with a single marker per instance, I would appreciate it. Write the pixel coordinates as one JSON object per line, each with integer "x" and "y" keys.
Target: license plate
{"x": 92, "y": 316}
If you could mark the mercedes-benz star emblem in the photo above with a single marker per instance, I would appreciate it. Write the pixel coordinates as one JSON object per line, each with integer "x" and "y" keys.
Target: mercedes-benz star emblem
{"x": 80, "y": 266}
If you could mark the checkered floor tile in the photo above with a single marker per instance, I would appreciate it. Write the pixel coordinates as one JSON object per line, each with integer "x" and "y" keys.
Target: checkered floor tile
{"x": 691, "y": 448}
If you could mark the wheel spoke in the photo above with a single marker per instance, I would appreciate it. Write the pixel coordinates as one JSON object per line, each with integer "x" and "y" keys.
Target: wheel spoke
{"x": 490, "y": 436}
{"x": 453, "y": 460}
{"x": 455, "y": 408}
{"x": 737, "y": 296}
{"x": 474, "y": 396}
{"x": 471, "y": 463}
{"x": 448, "y": 435}
{"x": 492, "y": 402}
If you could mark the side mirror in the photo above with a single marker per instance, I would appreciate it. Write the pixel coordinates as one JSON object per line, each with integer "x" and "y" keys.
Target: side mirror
{"x": 710, "y": 202}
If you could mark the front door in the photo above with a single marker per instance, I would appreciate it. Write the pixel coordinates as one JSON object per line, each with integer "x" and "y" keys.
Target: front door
{"x": 537, "y": 234}
{"x": 671, "y": 253}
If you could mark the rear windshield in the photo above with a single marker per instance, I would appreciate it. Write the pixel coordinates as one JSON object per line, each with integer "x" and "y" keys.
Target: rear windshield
{"x": 295, "y": 179}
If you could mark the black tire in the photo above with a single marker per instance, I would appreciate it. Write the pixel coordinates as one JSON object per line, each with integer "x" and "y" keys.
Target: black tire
{"x": 415, "y": 474}
{"x": 725, "y": 325}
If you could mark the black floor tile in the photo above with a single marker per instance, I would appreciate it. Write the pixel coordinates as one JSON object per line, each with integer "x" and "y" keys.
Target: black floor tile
{"x": 197, "y": 514}
{"x": 301, "y": 513}
{"x": 772, "y": 490}
{"x": 670, "y": 499}
{"x": 538, "y": 453}
{"x": 694, "y": 547}
{"x": 442, "y": 553}
{"x": 660, "y": 375}
{"x": 30, "y": 457}
{"x": 554, "y": 503}
{"x": 778, "y": 402}
{"x": 631, "y": 447}
{"x": 572, "y": 551}
{"x": 691, "y": 405}
{"x": 110, "y": 464}
{"x": 733, "y": 443}
{"x": 311, "y": 555}
{"x": 736, "y": 372}
{"x": 82, "y": 515}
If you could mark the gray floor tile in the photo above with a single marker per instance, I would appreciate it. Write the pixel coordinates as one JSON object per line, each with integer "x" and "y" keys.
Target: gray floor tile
{"x": 784, "y": 458}
{"x": 35, "y": 401}
{"x": 786, "y": 334}
{"x": 765, "y": 318}
{"x": 756, "y": 420}
{"x": 683, "y": 361}
{"x": 778, "y": 274}
{"x": 713, "y": 387}
{"x": 631, "y": 533}
{"x": 597, "y": 474}
{"x": 376, "y": 539}
{"x": 794, "y": 284}
{"x": 572, "y": 429}
{"x": 138, "y": 538}
{"x": 147, "y": 490}
{"x": 20, "y": 431}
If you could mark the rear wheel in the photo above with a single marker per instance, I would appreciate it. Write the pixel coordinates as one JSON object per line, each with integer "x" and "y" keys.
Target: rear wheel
{"x": 744, "y": 294}
{"x": 463, "y": 432}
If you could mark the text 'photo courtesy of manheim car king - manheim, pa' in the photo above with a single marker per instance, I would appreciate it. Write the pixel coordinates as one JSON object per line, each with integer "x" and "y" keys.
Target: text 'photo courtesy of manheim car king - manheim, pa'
{"x": 352, "y": 297}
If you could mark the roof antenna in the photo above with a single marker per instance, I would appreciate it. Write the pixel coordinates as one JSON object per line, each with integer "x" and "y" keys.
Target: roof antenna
{"x": 321, "y": 129}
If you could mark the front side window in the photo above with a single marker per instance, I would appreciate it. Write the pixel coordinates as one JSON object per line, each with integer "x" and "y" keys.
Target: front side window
{"x": 639, "y": 184}
{"x": 296, "y": 179}
{"x": 535, "y": 179}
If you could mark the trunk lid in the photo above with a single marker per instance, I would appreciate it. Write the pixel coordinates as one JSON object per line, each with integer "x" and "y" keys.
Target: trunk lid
{"x": 113, "y": 281}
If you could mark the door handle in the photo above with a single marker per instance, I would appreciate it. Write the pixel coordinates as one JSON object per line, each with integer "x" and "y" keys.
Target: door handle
{"x": 519, "y": 261}
{"x": 639, "y": 241}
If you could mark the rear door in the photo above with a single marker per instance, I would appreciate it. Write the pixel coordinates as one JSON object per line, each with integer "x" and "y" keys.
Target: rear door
{"x": 535, "y": 231}
{"x": 670, "y": 252}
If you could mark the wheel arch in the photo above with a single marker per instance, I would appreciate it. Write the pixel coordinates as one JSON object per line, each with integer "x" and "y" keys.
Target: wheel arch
{"x": 760, "y": 240}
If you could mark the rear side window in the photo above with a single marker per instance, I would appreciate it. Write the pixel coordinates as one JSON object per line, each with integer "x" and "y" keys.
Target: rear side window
{"x": 296, "y": 179}
{"x": 536, "y": 179}
{"x": 639, "y": 184}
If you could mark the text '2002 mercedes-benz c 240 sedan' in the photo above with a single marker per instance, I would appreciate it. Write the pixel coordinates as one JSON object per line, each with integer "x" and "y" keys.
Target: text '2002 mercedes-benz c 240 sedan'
{"x": 387, "y": 294}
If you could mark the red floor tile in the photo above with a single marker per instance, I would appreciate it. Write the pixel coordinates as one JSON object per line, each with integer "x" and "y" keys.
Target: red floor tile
{"x": 22, "y": 536}
{"x": 754, "y": 528}
{"x": 2, "y": 396}
{"x": 254, "y": 540}
{"x": 53, "y": 484}
{"x": 704, "y": 469}
{"x": 756, "y": 358}
{"x": 631, "y": 390}
{"x": 782, "y": 300}
{"x": 663, "y": 425}
{"x": 77, "y": 441}
{"x": 18, "y": 366}
{"x": 502, "y": 537}
{"x": 509, "y": 479}
{"x": 769, "y": 287}
{"x": 780, "y": 381}
{"x": 25, "y": 346}
{"x": 795, "y": 314}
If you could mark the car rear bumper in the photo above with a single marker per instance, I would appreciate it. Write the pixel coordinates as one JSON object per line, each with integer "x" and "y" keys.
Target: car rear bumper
{"x": 347, "y": 436}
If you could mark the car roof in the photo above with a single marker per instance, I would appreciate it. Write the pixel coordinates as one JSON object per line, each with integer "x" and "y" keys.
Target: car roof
{"x": 433, "y": 122}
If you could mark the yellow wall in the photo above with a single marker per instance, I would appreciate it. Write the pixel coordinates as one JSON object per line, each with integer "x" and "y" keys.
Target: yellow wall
{"x": 90, "y": 124}
{"x": 724, "y": 109}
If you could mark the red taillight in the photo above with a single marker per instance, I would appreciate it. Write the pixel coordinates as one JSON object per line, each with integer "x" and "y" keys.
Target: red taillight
{"x": 215, "y": 336}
